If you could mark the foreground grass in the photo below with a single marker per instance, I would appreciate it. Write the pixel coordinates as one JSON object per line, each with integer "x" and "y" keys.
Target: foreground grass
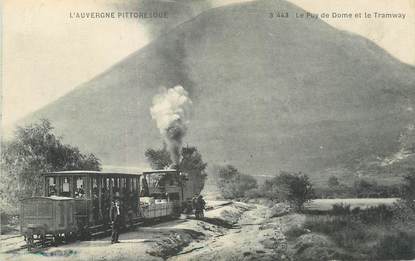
{"x": 376, "y": 233}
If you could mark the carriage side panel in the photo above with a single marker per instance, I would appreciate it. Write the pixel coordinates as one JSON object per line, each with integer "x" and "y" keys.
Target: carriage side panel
{"x": 47, "y": 215}
{"x": 37, "y": 214}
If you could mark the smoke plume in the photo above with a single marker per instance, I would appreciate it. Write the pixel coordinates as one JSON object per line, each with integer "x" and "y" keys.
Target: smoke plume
{"x": 171, "y": 110}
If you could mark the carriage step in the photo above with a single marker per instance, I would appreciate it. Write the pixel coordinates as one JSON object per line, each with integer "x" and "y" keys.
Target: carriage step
{"x": 101, "y": 233}
{"x": 100, "y": 226}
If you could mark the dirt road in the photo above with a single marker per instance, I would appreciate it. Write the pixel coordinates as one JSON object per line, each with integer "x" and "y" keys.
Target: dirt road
{"x": 255, "y": 237}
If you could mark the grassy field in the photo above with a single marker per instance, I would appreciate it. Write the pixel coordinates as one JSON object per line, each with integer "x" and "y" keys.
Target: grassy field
{"x": 360, "y": 229}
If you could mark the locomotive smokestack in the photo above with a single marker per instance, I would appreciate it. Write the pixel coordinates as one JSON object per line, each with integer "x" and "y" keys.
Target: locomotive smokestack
{"x": 170, "y": 110}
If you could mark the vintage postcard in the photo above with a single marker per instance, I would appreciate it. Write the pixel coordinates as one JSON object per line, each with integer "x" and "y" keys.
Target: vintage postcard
{"x": 207, "y": 130}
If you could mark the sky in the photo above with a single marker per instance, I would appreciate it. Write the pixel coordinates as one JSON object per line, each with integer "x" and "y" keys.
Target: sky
{"x": 46, "y": 54}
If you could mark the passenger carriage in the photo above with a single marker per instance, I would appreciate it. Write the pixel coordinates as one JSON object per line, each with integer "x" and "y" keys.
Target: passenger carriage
{"x": 77, "y": 203}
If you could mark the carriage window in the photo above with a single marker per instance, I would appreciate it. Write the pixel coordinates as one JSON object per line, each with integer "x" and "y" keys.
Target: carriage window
{"x": 134, "y": 184}
{"x": 79, "y": 191}
{"x": 116, "y": 187}
{"x": 66, "y": 188}
{"x": 52, "y": 186}
{"x": 95, "y": 188}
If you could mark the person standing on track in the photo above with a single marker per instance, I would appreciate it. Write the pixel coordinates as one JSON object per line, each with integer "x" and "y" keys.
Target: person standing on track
{"x": 115, "y": 216}
{"x": 200, "y": 207}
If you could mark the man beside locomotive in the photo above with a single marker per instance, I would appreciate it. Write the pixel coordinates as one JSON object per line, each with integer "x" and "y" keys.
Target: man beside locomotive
{"x": 115, "y": 216}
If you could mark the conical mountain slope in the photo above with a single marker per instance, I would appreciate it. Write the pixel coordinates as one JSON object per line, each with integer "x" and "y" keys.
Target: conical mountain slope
{"x": 268, "y": 94}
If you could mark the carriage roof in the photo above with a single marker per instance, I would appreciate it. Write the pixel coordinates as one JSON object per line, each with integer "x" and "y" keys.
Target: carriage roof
{"x": 90, "y": 173}
{"x": 106, "y": 173}
{"x": 56, "y": 198}
{"x": 160, "y": 171}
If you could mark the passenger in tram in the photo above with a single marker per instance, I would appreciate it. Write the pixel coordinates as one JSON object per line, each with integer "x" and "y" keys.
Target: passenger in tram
{"x": 95, "y": 203}
{"x": 52, "y": 190}
{"x": 80, "y": 192}
{"x": 65, "y": 192}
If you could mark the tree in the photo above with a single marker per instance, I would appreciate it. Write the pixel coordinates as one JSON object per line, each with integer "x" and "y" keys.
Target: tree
{"x": 34, "y": 150}
{"x": 158, "y": 158}
{"x": 365, "y": 188}
{"x": 227, "y": 173}
{"x": 192, "y": 164}
{"x": 408, "y": 187}
{"x": 294, "y": 188}
{"x": 333, "y": 182}
{"x": 232, "y": 183}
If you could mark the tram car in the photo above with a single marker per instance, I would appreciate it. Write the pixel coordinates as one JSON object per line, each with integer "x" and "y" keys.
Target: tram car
{"x": 76, "y": 204}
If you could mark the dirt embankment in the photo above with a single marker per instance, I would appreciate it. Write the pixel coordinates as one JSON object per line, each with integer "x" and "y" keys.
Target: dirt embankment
{"x": 254, "y": 235}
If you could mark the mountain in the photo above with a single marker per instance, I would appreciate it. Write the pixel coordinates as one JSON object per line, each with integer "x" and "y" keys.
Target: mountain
{"x": 268, "y": 94}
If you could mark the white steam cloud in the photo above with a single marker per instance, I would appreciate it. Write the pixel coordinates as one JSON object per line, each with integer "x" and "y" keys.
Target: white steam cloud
{"x": 171, "y": 110}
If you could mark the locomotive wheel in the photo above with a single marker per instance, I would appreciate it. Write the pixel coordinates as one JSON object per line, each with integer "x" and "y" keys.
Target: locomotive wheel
{"x": 70, "y": 237}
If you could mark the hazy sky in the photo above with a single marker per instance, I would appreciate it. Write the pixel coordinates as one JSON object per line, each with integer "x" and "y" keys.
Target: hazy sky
{"x": 46, "y": 54}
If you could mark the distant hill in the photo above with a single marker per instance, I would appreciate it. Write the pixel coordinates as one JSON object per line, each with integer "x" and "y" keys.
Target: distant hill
{"x": 268, "y": 94}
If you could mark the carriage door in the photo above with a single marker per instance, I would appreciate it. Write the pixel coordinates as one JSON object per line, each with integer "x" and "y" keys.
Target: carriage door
{"x": 61, "y": 214}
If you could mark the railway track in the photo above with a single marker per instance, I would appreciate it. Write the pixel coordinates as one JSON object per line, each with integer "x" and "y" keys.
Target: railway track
{"x": 98, "y": 231}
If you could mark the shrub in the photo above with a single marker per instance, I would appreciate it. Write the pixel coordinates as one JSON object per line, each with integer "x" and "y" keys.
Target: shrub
{"x": 233, "y": 184}
{"x": 294, "y": 188}
{"x": 333, "y": 181}
{"x": 404, "y": 214}
{"x": 254, "y": 193}
{"x": 341, "y": 209}
{"x": 295, "y": 232}
{"x": 381, "y": 214}
{"x": 345, "y": 231}
{"x": 408, "y": 187}
{"x": 369, "y": 233}
{"x": 395, "y": 246}
{"x": 363, "y": 188}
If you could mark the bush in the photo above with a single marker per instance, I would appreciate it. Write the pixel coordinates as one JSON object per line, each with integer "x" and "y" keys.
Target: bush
{"x": 333, "y": 181}
{"x": 254, "y": 193}
{"x": 363, "y": 188}
{"x": 233, "y": 184}
{"x": 381, "y": 214}
{"x": 294, "y": 188}
{"x": 400, "y": 245}
{"x": 341, "y": 209}
{"x": 408, "y": 187}
{"x": 369, "y": 233}
{"x": 346, "y": 232}
{"x": 295, "y": 232}
{"x": 404, "y": 214}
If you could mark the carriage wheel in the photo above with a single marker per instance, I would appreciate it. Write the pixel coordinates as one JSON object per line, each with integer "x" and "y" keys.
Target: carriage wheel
{"x": 85, "y": 233}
